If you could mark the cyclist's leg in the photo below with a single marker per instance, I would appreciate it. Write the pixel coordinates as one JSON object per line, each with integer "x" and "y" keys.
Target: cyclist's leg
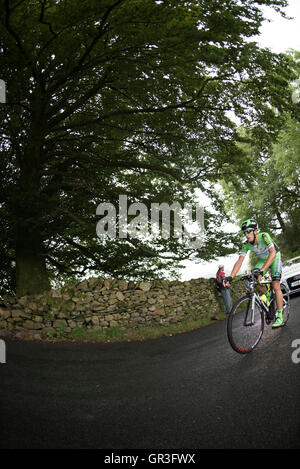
{"x": 261, "y": 288}
{"x": 276, "y": 271}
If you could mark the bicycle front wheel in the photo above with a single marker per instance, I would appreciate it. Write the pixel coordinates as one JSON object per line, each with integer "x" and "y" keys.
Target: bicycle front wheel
{"x": 245, "y": 325}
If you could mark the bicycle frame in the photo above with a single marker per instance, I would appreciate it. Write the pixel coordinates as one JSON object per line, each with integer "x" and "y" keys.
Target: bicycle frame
{"x": 255, "y": 298}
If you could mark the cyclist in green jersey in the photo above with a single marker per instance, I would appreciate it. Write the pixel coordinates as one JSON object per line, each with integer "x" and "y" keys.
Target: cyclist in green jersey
{"x": 269, "y": 259}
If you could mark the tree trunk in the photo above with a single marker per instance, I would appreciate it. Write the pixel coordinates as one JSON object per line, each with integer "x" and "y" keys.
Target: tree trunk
{"x": 281, "y": 221}
{"x": 31, "y": 272}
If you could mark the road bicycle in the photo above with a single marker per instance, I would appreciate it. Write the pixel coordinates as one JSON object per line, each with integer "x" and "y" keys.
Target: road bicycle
{"x": 245, "y": 324}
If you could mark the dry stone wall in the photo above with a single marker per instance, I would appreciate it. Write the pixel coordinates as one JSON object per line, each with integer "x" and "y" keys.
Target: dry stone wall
{"x": 102, "y": 303}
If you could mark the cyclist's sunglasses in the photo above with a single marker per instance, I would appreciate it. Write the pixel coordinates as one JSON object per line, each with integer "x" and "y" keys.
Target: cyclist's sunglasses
{"x": 248, "y": 231}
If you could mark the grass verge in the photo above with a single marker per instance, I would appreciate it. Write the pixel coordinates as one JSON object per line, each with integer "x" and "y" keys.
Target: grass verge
{"x": 118, "y": 334}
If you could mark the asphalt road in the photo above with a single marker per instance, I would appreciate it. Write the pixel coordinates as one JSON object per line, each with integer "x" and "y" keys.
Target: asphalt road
{"x": 189, "y": 391}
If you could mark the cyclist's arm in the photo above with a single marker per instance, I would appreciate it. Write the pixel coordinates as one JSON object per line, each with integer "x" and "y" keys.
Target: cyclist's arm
{"x": 237, "y": 266}
{"x": 270, "y": 259}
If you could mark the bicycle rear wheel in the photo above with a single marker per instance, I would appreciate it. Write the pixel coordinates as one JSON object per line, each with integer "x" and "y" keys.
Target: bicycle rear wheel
{"x": 245, "y": 325}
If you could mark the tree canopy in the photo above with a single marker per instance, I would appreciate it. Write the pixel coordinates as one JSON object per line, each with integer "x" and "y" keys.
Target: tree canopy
{"x": 273, "y": 194}
{"x": 134, "y": 97}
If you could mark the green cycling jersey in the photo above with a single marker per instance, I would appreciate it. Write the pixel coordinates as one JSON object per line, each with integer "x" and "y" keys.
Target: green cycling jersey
{"x": 261, "y": 249}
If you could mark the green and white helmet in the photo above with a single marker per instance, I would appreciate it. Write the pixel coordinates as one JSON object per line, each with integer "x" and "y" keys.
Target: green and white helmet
{"x": 249, "y": 224}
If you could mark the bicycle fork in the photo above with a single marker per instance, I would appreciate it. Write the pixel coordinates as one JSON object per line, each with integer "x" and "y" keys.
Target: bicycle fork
{"x": 249, "y": 316}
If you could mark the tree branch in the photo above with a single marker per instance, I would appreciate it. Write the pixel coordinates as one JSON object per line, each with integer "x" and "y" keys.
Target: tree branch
{"x": 17, "y": 38}
{"x": 79, "y": 65}
{"x": 64, "y": 115}
{"x": 147, "y": 110}
{"x": 42, "y": 20}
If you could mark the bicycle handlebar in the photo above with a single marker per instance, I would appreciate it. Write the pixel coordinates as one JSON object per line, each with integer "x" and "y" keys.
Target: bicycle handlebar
{"x": 253, "y": 278}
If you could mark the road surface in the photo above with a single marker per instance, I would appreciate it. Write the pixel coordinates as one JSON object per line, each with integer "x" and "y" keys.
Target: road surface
{"x": 188, "y": 391}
